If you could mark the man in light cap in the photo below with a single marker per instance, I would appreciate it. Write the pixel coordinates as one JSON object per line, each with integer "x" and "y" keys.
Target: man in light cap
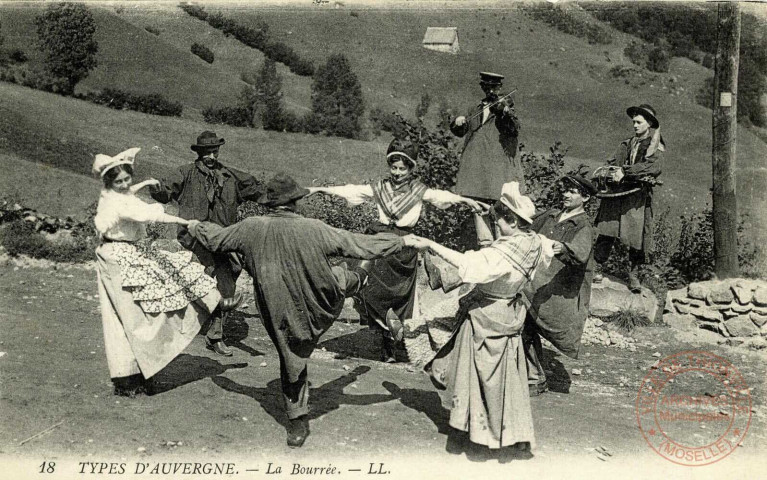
{"x": 489, "y": 156}
{"x": 207, "y": 190}
{"x": 298, "y": 293}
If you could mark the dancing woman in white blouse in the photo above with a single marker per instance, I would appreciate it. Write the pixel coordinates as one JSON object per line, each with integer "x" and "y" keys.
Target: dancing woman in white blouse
{"x": 152, "y": 302}
{"x": 399, "y": 199}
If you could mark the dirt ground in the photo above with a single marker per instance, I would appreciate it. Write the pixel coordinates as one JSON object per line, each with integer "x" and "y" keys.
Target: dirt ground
{"x": 53, "y": 373}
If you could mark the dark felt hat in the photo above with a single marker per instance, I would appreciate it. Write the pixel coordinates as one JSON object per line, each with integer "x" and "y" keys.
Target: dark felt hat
{"x": 207, "y": 140}
{"x": 489, "y": 78}
{"x": 402, "y": 148}
{"x": 582, "y": 183}
{"x": 646, "y": 111}
{"x": 281, "y": 190}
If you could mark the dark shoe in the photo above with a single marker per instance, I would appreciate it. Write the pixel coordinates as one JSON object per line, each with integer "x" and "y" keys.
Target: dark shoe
{"x": 387, "y": 347}
{"x": 394, "y": 324}
{"x": 298, "y": 430}
{"x": 228, "y": 304}
{"x": 539, "y": 388}
{"x": 218, "y": 346}
{"x": 634, "y": 284}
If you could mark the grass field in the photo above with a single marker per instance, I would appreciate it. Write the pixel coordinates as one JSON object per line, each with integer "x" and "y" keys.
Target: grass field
{"x": 565, "y": 92}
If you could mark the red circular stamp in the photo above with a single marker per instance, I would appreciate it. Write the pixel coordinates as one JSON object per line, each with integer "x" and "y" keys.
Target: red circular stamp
{"x": 694, "y": 408}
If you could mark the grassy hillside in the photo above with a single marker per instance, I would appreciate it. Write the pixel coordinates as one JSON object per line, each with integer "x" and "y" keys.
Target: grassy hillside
{"x": 132, "y": 59}
{"x": 566, "y": 92}
{"x": 66, "y": 133}
{"x": 565, "y": 89}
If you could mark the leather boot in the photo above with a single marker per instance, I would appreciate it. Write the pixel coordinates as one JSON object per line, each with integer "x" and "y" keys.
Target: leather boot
{"x": 298, "y": 430}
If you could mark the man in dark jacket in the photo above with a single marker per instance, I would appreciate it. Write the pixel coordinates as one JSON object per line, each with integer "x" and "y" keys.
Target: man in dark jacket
{"x": 298, "y": 293}
{"x": 559, "y": 295}
{"x": 489, "y": 155}
{"x": 625, "y": 212}
{"x": 207, "y": 190}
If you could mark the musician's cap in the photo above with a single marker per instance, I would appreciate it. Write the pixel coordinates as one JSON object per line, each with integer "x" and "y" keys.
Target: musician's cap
{"x": 489, "y": 78}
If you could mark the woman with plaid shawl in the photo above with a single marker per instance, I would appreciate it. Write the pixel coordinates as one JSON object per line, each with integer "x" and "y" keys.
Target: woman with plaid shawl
{"x": 481, "y": 370}
{"x": 399, "y": 198}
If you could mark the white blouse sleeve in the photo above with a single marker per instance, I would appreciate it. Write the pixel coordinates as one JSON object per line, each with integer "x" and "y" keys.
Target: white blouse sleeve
{"x": 483, "y": 266}
{"x": 137, "y": 210}
{"x": 441, "y": 198}
{"x": 353, "y": 194}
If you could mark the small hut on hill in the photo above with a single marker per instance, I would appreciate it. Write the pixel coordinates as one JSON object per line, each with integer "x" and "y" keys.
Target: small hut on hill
{"x": 441, "y": 39}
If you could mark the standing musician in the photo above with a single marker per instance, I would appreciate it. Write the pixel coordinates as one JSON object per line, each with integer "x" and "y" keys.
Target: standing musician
{"x": 488, "y": 159}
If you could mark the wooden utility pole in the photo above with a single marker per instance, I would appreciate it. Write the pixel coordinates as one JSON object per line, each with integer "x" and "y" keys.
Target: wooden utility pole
{"x": 724, "y": 140}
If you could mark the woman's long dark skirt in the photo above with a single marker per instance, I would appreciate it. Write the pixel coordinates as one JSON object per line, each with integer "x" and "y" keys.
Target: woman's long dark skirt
{"x": 391, "y": 282}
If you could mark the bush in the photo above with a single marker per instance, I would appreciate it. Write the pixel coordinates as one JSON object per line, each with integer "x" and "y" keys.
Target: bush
{"x": 203, "y": 52}
{"x": 627, "y": 319}
{"x": 152, "y": 103}
{"x": 20, "y": 238}
{"x": 382, "y": 121}
{"x": 636, "y": 53}
{"x": 234, "y": 116}
{"x": 17, "y": 55}
{"x": 658, "y": 60}
{"x": 67, "y": 37}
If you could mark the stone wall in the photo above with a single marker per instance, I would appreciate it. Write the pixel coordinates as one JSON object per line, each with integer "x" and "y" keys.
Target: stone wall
{"x": 732, "y": 308}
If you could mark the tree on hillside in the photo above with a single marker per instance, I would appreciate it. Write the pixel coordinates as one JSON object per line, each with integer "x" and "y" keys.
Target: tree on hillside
{"x": 65, "y": 34}
{"x": 268, "y": 86}
{"x": 337, "y": 104}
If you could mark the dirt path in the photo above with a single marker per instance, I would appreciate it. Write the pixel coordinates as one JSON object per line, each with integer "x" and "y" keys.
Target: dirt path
{"x": 210, "y": 409}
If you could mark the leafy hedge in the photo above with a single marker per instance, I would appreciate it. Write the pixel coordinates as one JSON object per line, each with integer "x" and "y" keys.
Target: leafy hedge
{"x": 152, "y": 103}
{"x": 257, "y": 38}
{"x": 203, "y": 52}
{"x": 558, "y": 17}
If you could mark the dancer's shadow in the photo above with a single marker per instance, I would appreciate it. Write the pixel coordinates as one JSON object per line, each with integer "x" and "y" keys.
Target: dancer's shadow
{"x": 236, "y": 330}
{"x": 423, "y": 401}
{"x": 325, "y": 399}
{"x": 559, "y": 380}
{"x": 429, "y": 403}
{"x": 364, "y": 344}
{"x": 187, "y": 369}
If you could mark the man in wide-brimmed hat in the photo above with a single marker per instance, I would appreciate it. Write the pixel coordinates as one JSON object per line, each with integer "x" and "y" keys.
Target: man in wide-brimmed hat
{"x": 298, "y": 293}
{"x": 559, "y": 295}
{"x": 207, "y": 190}
{"x": 626, "y": 214}
{"x": 489, "y": 155}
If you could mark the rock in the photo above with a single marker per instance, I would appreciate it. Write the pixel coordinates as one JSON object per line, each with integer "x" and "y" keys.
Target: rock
{"x": 758, "y": 319}
{"x": 743, "y": 293}
{"x": 684, "y": 309}
{"x": 576, "y": 371}
{"x": 678, "y": 296}
{"x": 698, "y": 291}
{"x": 708, "y": 314}
{"x": 756, "y": 343}
{"x": 697, "y": 303}
{"x": 721, "y": 293}
{"x": 656, "y": 354}
{"x": 741, "y": 326}
{"x": 714, "y": 327}
{"x": 760, "y": 296}
{"x": 679, "y": 322}
{"x": 722, "y": 306}
{"x": 610, "y": 296}
{"x": 734, "y": 342}
{"x": 738, "y": 308}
